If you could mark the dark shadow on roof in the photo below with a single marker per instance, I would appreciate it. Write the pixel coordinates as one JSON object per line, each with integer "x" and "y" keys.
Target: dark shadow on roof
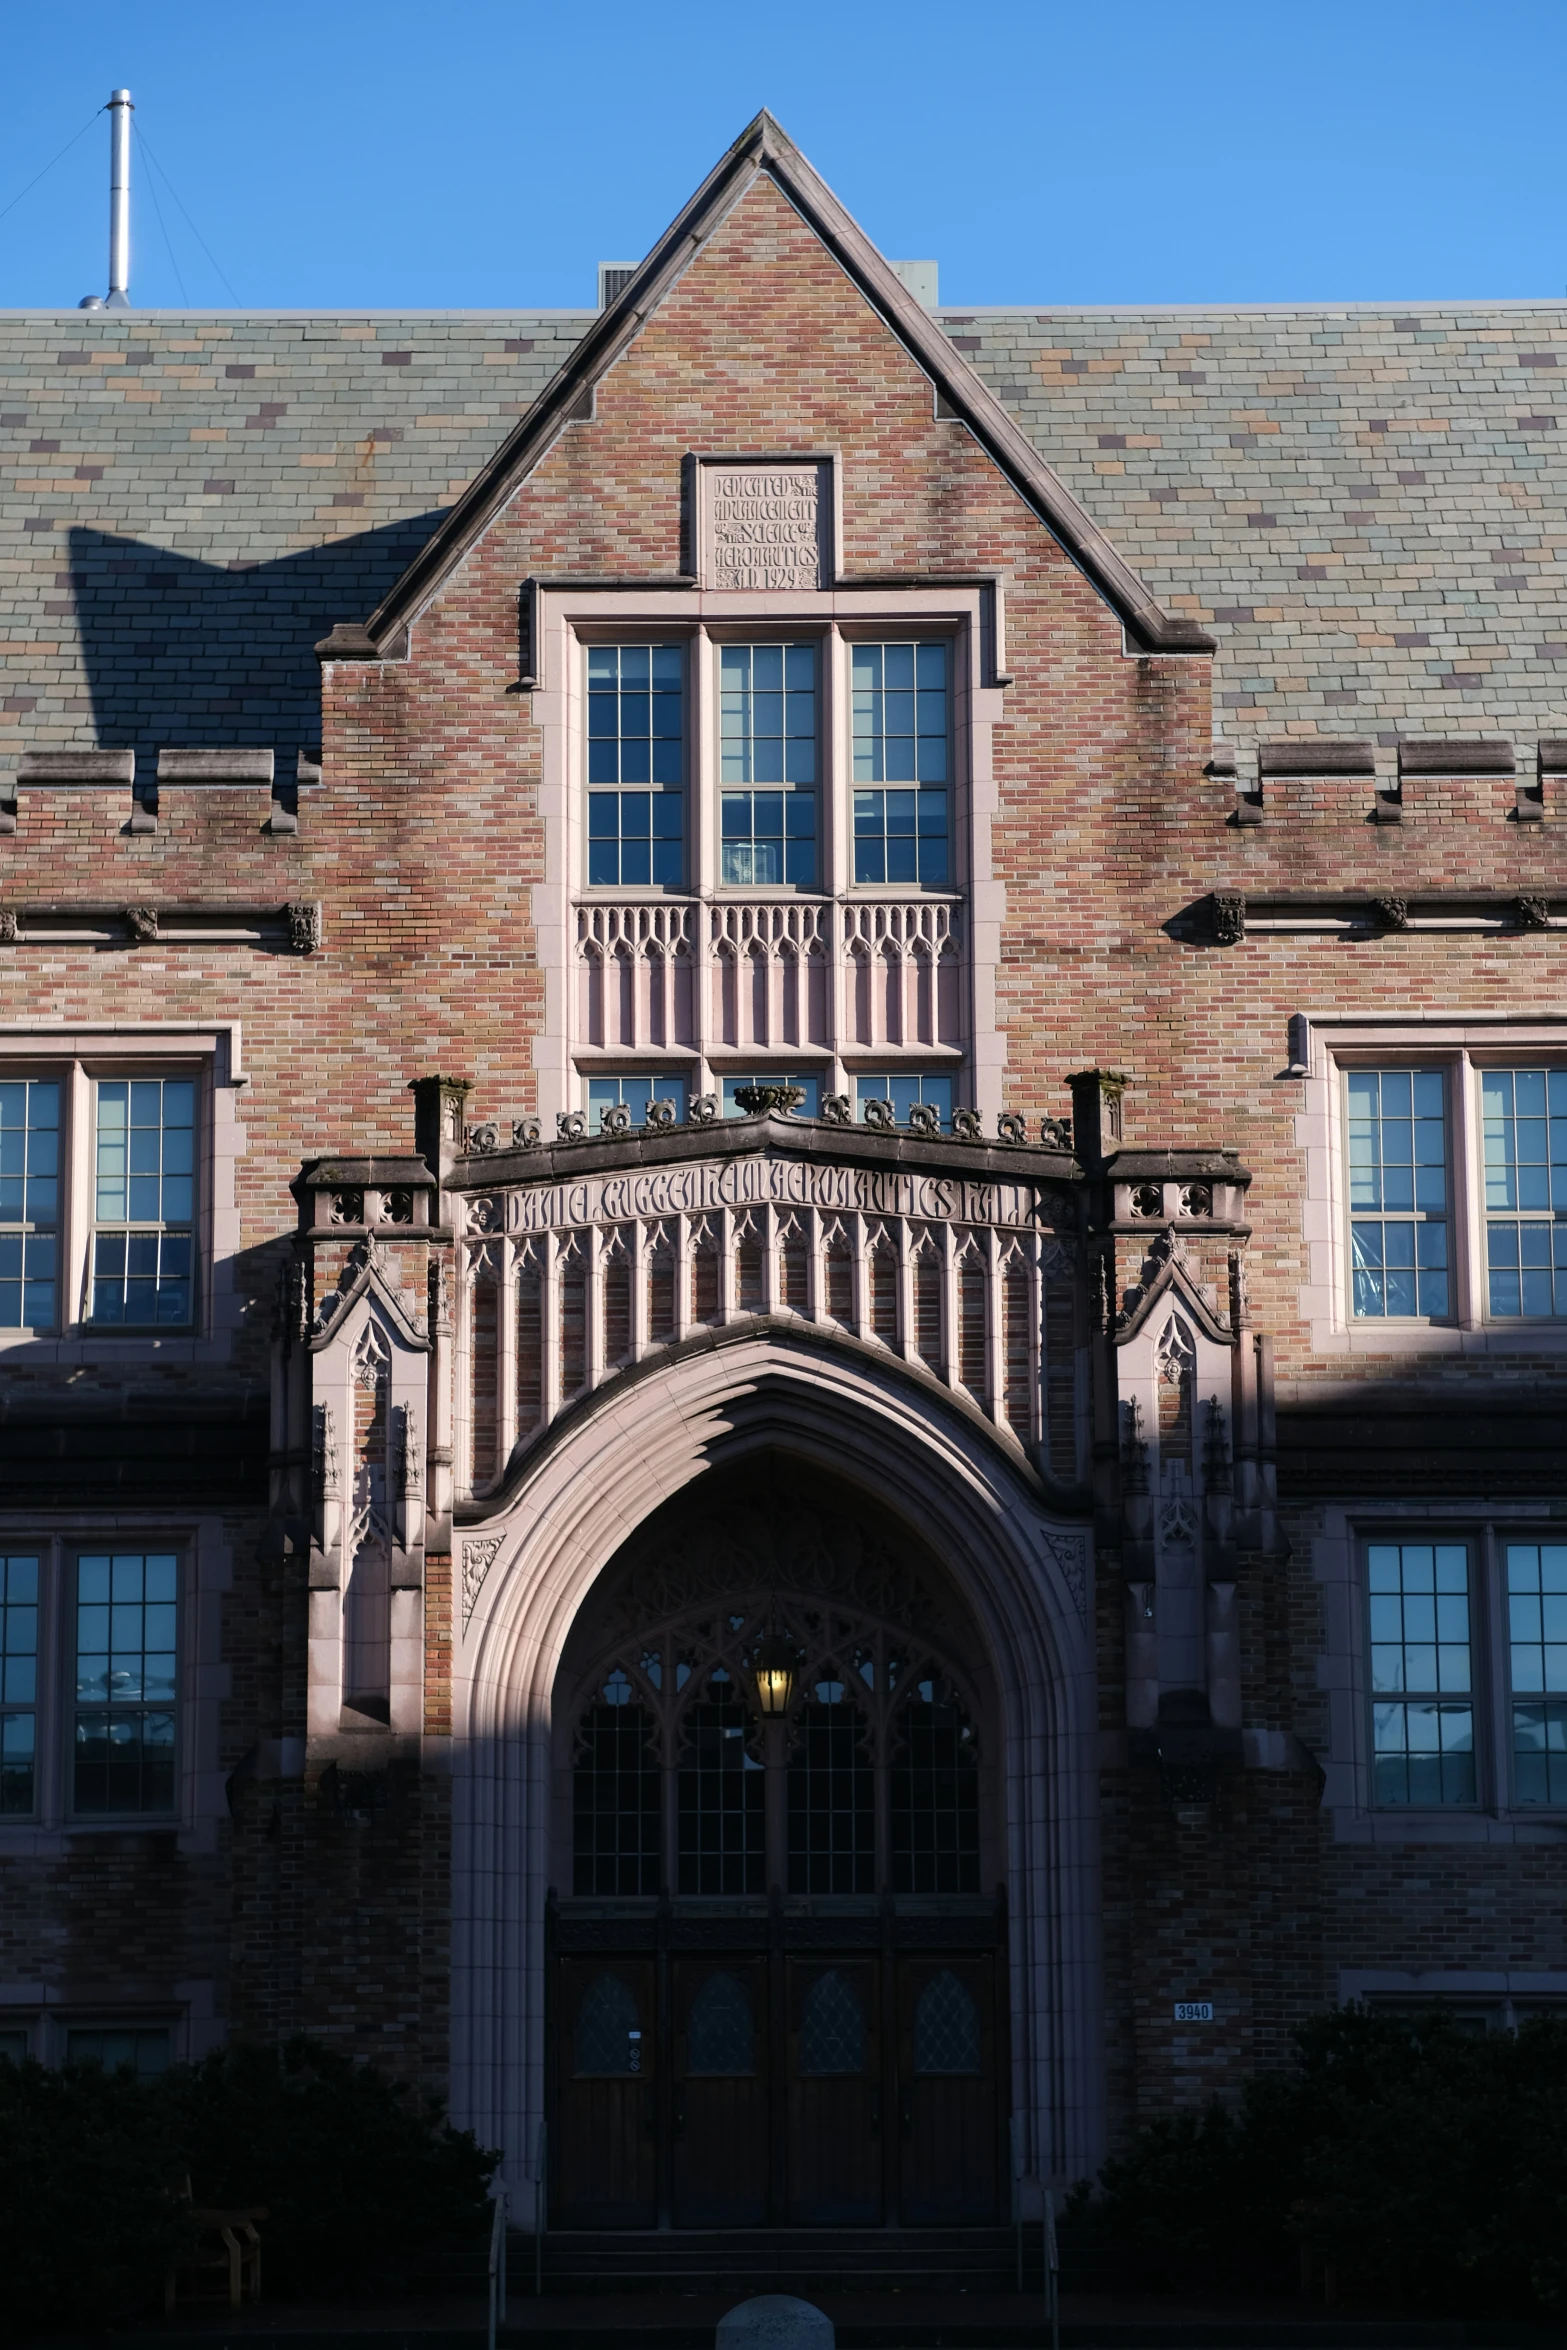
{"x": 178, "y": 651}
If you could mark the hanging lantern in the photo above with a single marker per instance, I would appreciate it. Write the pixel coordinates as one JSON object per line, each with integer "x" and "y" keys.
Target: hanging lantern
{"x": 773, "y": 1669}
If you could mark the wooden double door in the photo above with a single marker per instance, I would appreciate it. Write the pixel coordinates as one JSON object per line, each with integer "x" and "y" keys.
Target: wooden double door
{"x": 801, "y": 2090}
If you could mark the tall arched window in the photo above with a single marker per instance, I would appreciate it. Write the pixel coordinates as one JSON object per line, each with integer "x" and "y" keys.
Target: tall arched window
{"x": 720, "y": 1795}
{"x": 935, "y": 1794}
{"x": 615, "y": 1795}
{"x": 851, "y": 1768}
{"x": 832, "y": 1797}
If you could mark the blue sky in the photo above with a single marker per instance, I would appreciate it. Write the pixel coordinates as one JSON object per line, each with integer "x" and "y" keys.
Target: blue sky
{"x": 487, "y": 155}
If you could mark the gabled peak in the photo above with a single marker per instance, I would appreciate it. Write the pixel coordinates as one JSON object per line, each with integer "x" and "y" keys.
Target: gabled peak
{"x": 764, "y": 147}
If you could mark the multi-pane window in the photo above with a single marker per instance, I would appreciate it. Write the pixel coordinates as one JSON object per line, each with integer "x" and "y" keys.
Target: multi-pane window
{"x": 1422, "y": 1704}
{"x": 144, "y": 1201}
{"x": 143, "y": 2049}
{"x": 636, "y": 764}
{"x": 719, "y": 1791}
{"x": 1537, "y": 1644}
{"x": 900, "y": 719}
{"x": 634, "y": 1094}
{"x": 18, "y": 1681}
{"x": 832, "y": 1798}
{"x": 1524, "y": 1117}
{"x": 616, "y": 1784}
{"x": 767, "y": 766}
{"x": 126, "y": 1609}
{"x": 935, "y": 1796}
{"x": 1396, "y": 1122}
{"x": 29, "y": 1201}
{"x": 903, "y": 1089}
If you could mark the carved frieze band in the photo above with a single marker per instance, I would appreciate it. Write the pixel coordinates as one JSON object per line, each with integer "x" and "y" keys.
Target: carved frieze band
{"x": 295, "y": 928}
{"x": 1226, "y": 917}
{"x": 755, "y": 1182}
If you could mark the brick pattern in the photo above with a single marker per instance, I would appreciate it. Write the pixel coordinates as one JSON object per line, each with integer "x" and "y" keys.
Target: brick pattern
{"x": 326, "y": 1906}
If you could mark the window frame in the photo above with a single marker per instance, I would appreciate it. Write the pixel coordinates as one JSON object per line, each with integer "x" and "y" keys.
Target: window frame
{"x": 834, "y": 637}
{"x": 1486, "y": 1537}
{"x": 79, "y": 1060}
{"x": 1478, "y": 1693}
{"x": 198, "y": 1777}
{"x": 759, "y": 637}
{"x": 1464, "y": 1047}
{"x": 117, "y": 1543}
{"x": 1399, "y": 1065}
{"x": 590, "y": 641}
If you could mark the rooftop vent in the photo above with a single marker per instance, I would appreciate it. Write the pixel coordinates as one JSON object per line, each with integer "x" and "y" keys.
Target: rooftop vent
{"x": 614, "y": 277}
{"x": 920, "y": 279}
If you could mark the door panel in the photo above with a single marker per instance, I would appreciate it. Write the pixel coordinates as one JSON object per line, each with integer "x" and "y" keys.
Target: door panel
{"x": 720, "y": 2093}
{"x": 834, "y": 2094}
{"x": 946, "y": 2090}
{"x": 607, "y": 2170}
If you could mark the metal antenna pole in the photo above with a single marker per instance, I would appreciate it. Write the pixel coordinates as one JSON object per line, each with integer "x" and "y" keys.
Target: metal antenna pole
{"x": 120, "y": 111}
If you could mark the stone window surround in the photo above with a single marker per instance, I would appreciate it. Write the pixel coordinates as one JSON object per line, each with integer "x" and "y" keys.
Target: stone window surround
{"x": 562, "y": 619}
{"x": 1343, "y": 1672}
{"x": 187, "y": 2010}
{"x": 1495, "y": 1988}
{"x": 1323, "y": 1046}
{"x": 211, "y": 1051}
{"x": 205, "y": 1574}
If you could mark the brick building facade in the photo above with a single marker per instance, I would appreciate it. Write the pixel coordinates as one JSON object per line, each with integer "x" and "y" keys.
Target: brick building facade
{"x": 778, "y": 1251}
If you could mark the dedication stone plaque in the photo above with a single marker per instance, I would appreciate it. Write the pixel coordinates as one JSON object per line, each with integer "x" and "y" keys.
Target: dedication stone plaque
{"x": 762, "y": 526}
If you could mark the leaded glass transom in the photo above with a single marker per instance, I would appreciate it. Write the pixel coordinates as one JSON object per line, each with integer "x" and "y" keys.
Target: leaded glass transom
{"x": 609, "y": 2028}
{"x": 946, "y": 2026}
{"x": 721, "y": 2031}
{"x": 832, "y": 2027}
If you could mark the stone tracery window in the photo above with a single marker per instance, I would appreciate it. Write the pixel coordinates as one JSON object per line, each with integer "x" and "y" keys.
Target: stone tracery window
{"x": 876, "y": 1766}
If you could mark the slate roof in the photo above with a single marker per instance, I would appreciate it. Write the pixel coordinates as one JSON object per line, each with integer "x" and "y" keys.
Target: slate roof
{"x": 1366, "y": 506}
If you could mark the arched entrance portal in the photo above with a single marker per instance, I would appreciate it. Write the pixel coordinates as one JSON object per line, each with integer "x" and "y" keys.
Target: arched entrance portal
{"x": 1009, "y": 1583}
{"x": 777, "y": 1972}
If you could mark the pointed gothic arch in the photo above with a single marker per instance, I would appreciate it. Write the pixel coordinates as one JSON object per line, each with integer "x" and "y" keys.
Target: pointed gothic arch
{"x": 1023, "y": 1574}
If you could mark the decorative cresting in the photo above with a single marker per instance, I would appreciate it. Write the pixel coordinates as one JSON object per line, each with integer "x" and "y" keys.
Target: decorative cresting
{"x": 579, "y": 1264}
{"x": 795, "y": 972}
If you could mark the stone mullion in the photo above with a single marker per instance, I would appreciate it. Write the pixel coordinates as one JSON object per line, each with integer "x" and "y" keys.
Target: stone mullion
{"x": 593, "y": 1335}
{"x": 506, "y": 1369}
{"x": 815, "y": 1267}
{"x": 640, "y": 1317}
{"x": 462, "y": 1384}
{"x": 835, "y": 942}
{"x": 682, "y": 1276}
{"x": 861, "y": 1272}
{"x": 995, "y": 1332}
{"x": 771, "y": 1244}
{"x": 550, "y": 1319}
{"x": 950, "y": 1340}
{"x": 907, "y": 1331}
{"x": 726, "y": 1265}
{"x": 1034, "y": 1250}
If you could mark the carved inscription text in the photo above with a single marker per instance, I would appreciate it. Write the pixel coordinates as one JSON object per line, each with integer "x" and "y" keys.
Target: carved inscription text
{"x": 763, "y": 527}
{"x": 739, "y": 1183}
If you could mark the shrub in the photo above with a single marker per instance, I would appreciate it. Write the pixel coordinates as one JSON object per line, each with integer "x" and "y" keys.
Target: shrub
{"x": 1413, "y": 2159}
{"x": 361, "y": 2178}
{"x": 90, "y": 2208}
